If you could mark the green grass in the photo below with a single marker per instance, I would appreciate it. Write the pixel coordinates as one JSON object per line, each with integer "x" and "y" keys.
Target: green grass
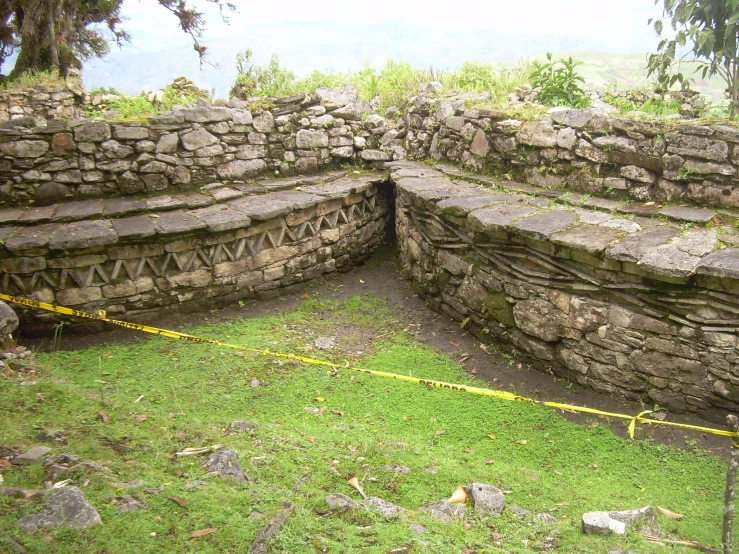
{"x": 32, "y": 79}
{"x": 192, "y": 393}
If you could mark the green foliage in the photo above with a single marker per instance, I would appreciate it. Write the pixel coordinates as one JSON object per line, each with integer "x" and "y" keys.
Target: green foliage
{"x": 653, "y": 106}
{"x": 31, "y": 79}
{"x": 710, "y": 28}
{"x": 499, "y": 81}
{"x": 140, "y": 106}
{"x": 192, "y": 392}
{"x": 558, "y": 83}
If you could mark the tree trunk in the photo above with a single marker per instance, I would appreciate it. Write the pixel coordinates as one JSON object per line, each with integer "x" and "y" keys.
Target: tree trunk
{"x": 53, "y": 51}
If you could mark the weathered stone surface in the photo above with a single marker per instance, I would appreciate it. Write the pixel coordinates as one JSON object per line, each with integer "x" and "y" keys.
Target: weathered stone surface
{"x": 721, "y": 263}
{"x": 461, "y": 207}
{"x": 350, "y": 112}
{"x": 600, "y": 523}
{"x": 497, "y": 218}
{"x": 444, "y": 511}
{"x": 545, "y": 224}
{"x": 480, "y": 146}
{"x": 225, "y": 464}
{"x": 177, "y": 222}
{"x": 62, "y": 144}
{"x": 206, "y": 114}
{"x": 24, "y": 148}
{"x": 697, "y": 147}
{"x": 264, "y": 123}
{"x": 136, "y": 227}
{"x": 311, "y": 139}
{"x": 83, "y": 234}
{"x": 199, "y": 138}
{"x": 488, "y": 500}
{"x": 386, "y": 509}
{"x": 685, "y": 213}
{"x": 8, "y": 320}
{"x": 222, "y": 218}
{"x": 537, "y": 133}
{"x": 591, "y": 238}
{"x": 64, "y": 507}
{"x": 340, "y": 501}
{"x": 634, "y": 247}
{"x": 32, "y": 456}
{"x": 51, "y": 193}
{"x": 540, "y": 318}
{"x": 241, "y": 169}
{"x": 93, "y": 131}
{"x": 573, "y": 117}
{"x": 374, "y": 155}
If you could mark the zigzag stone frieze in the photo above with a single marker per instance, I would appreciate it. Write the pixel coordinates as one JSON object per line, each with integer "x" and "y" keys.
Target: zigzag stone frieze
{"x": 141, "y": 264}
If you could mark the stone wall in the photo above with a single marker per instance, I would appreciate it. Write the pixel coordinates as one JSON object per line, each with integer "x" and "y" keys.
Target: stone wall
{"x": 188, "y": 148}
{"x": 63, "y": 100}
{"x": 586, "y": 150}
{"x": 136, "y": 263}
{"x": 640, "y": 307}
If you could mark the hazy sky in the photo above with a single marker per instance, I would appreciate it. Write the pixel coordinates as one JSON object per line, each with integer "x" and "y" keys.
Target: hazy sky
{"x": 344, "y": 34}
{"x": 620, "y": 26}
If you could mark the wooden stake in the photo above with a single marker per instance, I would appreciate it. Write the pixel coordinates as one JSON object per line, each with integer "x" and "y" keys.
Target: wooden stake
{"x": 730, "y": 498}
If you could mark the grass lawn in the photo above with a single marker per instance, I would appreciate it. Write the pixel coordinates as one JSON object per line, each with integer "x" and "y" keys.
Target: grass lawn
{"x": 192, "y": 392}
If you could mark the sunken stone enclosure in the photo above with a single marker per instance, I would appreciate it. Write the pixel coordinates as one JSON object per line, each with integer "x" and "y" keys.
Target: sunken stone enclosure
{"x": 613, "y": 263}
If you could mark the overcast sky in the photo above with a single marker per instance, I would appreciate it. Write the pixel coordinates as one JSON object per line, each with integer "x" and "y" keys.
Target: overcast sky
{"x": 620, "y": 25}
{"x": 347, "y": 34}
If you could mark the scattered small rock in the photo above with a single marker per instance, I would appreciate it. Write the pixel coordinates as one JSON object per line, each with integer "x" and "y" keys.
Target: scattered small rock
{"x": 129, "y": 503}
{"x": 431, "y": 470}
{"x": 256, "y": 382}
{"x": 312, "y": 410}
{"x": 600, "y": 523}
{"x": 397, "y": 468}
{"x": 325, "y": 343}
{"x": 66, "y": 506}
{"x": 130, "y": 485}
{"x": 225, "y": 463}
{"x": 418, "y": 528}
{"x": 261, "y": 542}
{"x": 244, "y": 426}
{"x": 545, "y": 518}
{"x": 444, "y": 511}
{"x": 192, "y": 484}
{"x": 605, "y": 523}
{"x": 32, "y": 456}
{"x": 255, "y": 515}
{"x": 488, "y": 500}
{"x": 338, "y": 501}
{"x": 519, "y": 512}
{"x": 386, "y": 509}
{"x": 399, "y": 550}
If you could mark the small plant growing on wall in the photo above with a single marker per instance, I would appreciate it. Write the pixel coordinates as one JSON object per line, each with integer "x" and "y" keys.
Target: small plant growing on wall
{"x": 558, "y": 83}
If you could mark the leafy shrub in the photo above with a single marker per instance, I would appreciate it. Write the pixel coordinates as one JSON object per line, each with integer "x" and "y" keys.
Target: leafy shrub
{"x": 557, "y": 82}
{"x": 481, "y": 77}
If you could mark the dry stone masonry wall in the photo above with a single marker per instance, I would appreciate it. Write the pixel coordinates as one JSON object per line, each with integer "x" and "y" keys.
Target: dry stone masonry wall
{"x": 640, "y": 307}
{"x": 584, "y": 150}
{"x": 57, "y": 101}
{"x": 45, "y": 162}
{"x": 137, "y": 260}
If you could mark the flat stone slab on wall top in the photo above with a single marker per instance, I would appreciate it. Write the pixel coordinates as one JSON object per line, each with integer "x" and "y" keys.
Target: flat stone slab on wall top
{"x": 660, "y": 249}
{"x": 233, "y": 214}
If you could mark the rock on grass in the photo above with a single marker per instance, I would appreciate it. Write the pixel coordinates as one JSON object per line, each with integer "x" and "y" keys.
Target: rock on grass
{"x": 66, "y": 506}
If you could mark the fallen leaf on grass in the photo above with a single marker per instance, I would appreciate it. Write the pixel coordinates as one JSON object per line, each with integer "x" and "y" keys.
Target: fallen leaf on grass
{"x": 453, "y": 343}
{"x": 202, "y": 532}
{"x": 473, "y": 371}
{"x": 440, "y": 432}
{"x": 178, "y": 501}
{"x": 104, "y": 416}
{"x": 141, "y": 418}
{"x": 492, "y": 436}
{"x": 489, "y": 461}
{"x": 4, "y": 464}
{"x": 522, "y": 441}
{"x": 319, "y": 399}
{"x": 311, "y": 439}
{"x": 670, "y": 513}
{"x": 337, "y": 412}
{"x": 321, "y": 411}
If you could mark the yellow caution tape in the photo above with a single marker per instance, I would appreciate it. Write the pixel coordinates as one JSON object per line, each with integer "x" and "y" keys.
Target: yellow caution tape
{"x": 501, "y": 395}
